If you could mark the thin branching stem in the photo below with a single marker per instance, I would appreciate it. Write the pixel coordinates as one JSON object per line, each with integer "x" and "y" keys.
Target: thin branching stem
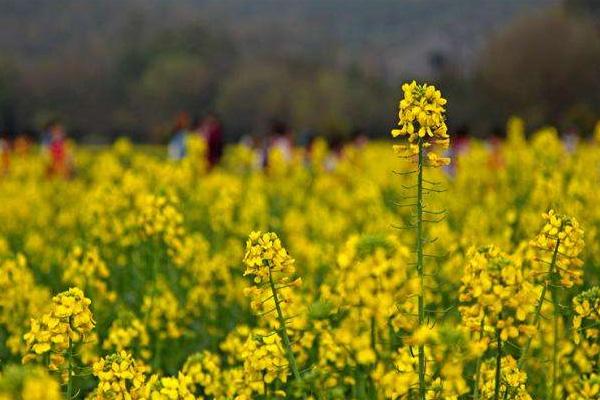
{"x": 478, "y": 365}
{"x": 284, "y": 335}
{"x": 555, "y": 317}
{"x": 154, "y": 248}
{"x": 374, "y": 336}
{"x": 70, "y": 371}
{"x": 498, "y": 366}
{"x": 151, "y": 252}
{"x": 420, "y": 268}
{"x": 538, "y": 309}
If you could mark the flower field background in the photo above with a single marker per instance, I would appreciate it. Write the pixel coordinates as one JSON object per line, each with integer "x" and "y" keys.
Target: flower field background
{"x": 143, "y": 278}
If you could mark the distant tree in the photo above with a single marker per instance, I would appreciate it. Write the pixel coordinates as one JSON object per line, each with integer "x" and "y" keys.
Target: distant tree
{"x": 8, "y": 95}
{"x": 168, "y": 85}
{"x": 337, "y": 102}
{"x": 544, "y": 67}
{"x": 169, "y": 71}
{"x": 326, "y": 100}
{"x": 589, "y": 8}
{"x": 254, "y": 93}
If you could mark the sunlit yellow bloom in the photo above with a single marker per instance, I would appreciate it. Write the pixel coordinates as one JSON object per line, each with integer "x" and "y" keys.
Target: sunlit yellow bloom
{"x": 69, "y": 322}
{"x": 421, "y": 118}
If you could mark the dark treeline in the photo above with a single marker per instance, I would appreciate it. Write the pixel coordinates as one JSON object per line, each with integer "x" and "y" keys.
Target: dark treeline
{"x": 127, "y": 68}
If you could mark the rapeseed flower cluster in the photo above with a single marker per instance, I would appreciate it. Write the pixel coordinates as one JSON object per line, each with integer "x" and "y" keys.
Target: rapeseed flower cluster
{"x": 264, "y": 360}
{"x": 421, "y": 118}
{"x": 512, "y": 380}
{"x": 169, "y": 388}
{"x": 561, "y": 241}
{"x": 128, "y": 333}
{"x": 204, "y": 370}
{"x": 268, "y": 355}
{"x": 587, "y": 308}
{"x": 20, "y": 299}
{"x": 69, "y": 322}
{"x": 582, "y": 372}
{"x": 266, "y": 257}
{"x": 495, "y": 296}
{"x": 119, "y": 377}
{"x": 28, "y": 383}
{"x": 272, "y": 270}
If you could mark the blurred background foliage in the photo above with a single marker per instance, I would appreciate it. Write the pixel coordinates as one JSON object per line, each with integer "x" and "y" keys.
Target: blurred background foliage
{"x": 108, "y": 68}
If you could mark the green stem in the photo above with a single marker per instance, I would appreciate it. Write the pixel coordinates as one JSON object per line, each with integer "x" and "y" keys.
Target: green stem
{"x": 538, "y": 308}
{"x": 477, "y": 378}
{"x": 555, "y": 317}
{"x": 70, "y": 371}
{"x": 265, "y": 386}
{"x": 420, "y": 267}
{"x": 361, "y": 384}
{"x": 157, "y": 351}
{"x": 478, "y": 365}
{"x": 374, "y": 336}
{"x": 498, "y": 366}
{"x": 153, "y": 291}
{"x": 283, "y": 333}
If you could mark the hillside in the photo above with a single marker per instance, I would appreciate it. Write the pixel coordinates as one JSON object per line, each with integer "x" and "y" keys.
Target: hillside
{"x": 386, "y": 38}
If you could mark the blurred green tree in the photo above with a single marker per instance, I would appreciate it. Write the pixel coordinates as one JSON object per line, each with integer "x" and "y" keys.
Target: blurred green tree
{"x": 545, "y": 68}
{"x": 8, "y": 94}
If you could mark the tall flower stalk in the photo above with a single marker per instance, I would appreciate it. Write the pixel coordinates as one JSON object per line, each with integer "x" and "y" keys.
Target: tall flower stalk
{"x": 283, "y": 330}
{"x": 562, "y": 237}
{"x": 420, "y": 266}
{"x": 421, "y": 119}
{"x": 273, "y": 269}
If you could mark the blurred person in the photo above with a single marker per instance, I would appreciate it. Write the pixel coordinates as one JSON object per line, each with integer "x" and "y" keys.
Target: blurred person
{"x": 23, "y": 143}
{"x": 308, "y": 140}
{"x": 250, "y": 141}
{"x": 212, "y": 131}
{"x": 316, "y": 153}
{"x": 280, "y": 138}
{"x": 60, "y": 160}
{"x": 460, "y": 144}
{"x": 179, "y": 134}
{"x": 336, "y": 151}
{"x": 46, "y": 136}
{"x": 4, "y": 153}
{"x": 262, "y": 148}
{"x": 571, "y": 139}
{"x": 494, "y": 145}
{"x": 254, "y": 143}
{"x": 359, "y": 138}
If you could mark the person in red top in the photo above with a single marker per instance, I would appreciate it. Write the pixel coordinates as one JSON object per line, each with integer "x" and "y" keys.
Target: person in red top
{"x": 4, "y": 153}
{"x": 212, "y": 131}
{"x": 59, "y": 158}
